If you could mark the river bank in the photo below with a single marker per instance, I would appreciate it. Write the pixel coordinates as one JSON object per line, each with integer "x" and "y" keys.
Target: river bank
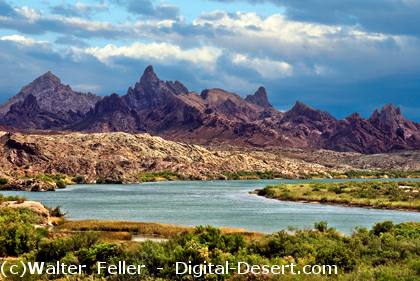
{"x": 52, "y": 182}
{"x": 403, "y": 195}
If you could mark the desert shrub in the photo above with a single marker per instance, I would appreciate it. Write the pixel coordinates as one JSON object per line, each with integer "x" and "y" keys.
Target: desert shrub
{"x": 100, "y": 252}
{"x": 108, "y": 181}
{"x": 214, "y": 239}
{"x": 321, "y": 226}
{"x": 56, "y": 249}
{"x": 56, "y": 212}
{"x": 3, "y": 181}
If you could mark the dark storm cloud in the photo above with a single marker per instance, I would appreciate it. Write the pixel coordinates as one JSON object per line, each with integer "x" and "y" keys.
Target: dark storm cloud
{"x": 363, "y": 70}
{"x": 386, "y": 16}
{"x": 25, "y": 62}
{"x": 6, "y": 9}
{"x": 147, "y": 9}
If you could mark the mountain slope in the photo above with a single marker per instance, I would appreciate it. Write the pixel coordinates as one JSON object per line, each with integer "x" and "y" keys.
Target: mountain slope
{"x": 46, "y": 103}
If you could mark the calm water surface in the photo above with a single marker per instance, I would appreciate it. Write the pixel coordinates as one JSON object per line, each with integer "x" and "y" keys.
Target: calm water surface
{"x": 218, "y": 203}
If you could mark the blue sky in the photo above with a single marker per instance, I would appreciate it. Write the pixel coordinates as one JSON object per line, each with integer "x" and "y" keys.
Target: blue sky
{"x": 339, "y": 56}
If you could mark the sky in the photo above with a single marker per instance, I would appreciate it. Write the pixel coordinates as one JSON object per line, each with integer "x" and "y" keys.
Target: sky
{"x": 338, "y": 56}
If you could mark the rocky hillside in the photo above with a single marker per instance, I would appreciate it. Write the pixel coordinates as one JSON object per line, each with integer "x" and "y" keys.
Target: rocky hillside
{"x": 123, "y": 157}
{"x": 213, "y": 117}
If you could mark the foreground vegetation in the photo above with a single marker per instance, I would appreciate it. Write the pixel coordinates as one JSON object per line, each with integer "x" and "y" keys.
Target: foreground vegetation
{"x": 375, "y": 194}
{"x": 386, "y": 252}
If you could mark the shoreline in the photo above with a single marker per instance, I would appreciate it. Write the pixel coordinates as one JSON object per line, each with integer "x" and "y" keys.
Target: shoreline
{"x": 49, "y": 188}
{"x": 390, "y": 194}
{"x": 346, "y": 205}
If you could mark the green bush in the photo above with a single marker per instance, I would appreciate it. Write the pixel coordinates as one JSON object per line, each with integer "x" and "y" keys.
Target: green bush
{"x": 79, "y": 179}
{"x": 3, "y": 181}
{"x": 321, "y": 226}
{"x": 383, "y": 227}
{"x": 386, "y": 252}
{"x": 336, "y": 254}
{"x": 60, "y": 184}
{"x": 17, "y": 232}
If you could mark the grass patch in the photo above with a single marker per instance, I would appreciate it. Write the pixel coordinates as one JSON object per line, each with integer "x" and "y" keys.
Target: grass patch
{"x": 136, "y": 228}
{"x": 139, "y": 228}
{"x": 383, "y": 195}
{"x": 379, "y": 174}
{"x": 159, "y": 176}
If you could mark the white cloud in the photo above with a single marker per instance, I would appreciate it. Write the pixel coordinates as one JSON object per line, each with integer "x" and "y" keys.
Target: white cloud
{"x": 267, "y": 68}
{"x": 161, "y": 52}
{"x": 348, "y": 52}
{"x": 83, "y": 7}
{"x": 21, "y": 40}
{"x": 29, "y": 13}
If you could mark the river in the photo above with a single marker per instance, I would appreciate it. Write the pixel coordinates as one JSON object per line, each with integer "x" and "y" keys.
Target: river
{"x": 217, "y": 203}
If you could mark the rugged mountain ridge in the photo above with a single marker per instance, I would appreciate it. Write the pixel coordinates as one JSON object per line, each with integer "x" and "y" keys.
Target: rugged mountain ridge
{"x": 213, "y": 117}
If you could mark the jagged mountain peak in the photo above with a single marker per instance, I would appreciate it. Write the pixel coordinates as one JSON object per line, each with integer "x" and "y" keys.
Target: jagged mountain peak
{"x": 44, "y": 82}
{"x": 259, "y": 98}
{"x": 150, "y": 82}
{"x": 48, "y": 76}
{"x": 149, "y": 76}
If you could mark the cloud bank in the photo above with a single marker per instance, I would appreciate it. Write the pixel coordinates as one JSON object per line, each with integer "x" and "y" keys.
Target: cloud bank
{"x": 337, "y": 56}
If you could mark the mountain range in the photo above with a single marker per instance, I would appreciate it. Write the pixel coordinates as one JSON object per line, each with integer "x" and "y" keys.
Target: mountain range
{"x": 212, "y": 117}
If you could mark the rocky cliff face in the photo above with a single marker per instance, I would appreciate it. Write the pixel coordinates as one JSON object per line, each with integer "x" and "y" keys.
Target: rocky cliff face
{"x": 213, "y": 117}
